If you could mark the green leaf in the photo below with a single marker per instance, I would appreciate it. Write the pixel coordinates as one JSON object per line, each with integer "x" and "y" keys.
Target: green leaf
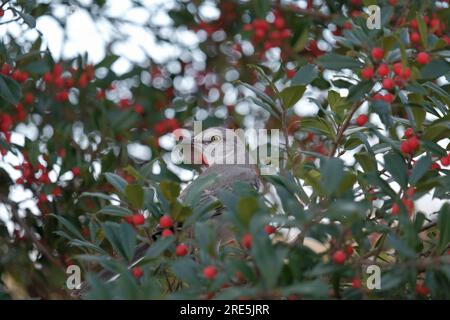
{"x": 422, "y": 30}
{"x": 122, "y": 237}
{"x": 332, "y": 172}
{"x": 158, "y": 247}
{"x": 400, "y": 246}
{"x": 366, "y": 161}
{"x": 335, "y": 61}
{"x": 99, "y": 195}
{"x": 115, "y": 211}
{"x": 117, "y": 181}
{"x": 357, "y": 91}
{"x": 435, "y": 69}
{"x": 37, "y": 67}
{"x": 396, "y": 166}
{"x": 135, "y": 195}
{"x": 196, "y": 188}
{"x": 337, "y": 103}
{"x": 69, "y": 226}
{"x": 314, "y": 289}
{"x": 305, "y": 75}
{"x": 422, "y": 166}
{"x": 28, "y": 19}
{"x": 10, "y": 90}
{"x": 246, "y": 208}
{"x": 443, "y": 225}
{"x": 268, "y": 260}
{"x": 170, "y": 190}
{"x": 317, "y": 124}
{"x": 291, "y": 95}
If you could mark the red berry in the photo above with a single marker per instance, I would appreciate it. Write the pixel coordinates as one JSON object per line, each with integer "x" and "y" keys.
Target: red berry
{"x": 414, "y": 143}
{"x": 445, "y": 161}
{"x": 181, "y": 250}
{"x": 210, "y": 272}
{"x": 6, "y": 69}
{"x": 408, "y": 204}
{"x": 349, "y": 250}
{"x": 339, "y": 257}
{"x": 347, "y": 25}
{"x": 406, "y": 73}
{"x": 259, "y": 33}
{"x": 138, "y": 108}
{"x": 395, "y": 209}
{"x": 423, "y": 58}
{"x": 286, "y": 33}
{"x": 279, "y": 23}
{"x": 137, "y": 272}
{"x": 377, "y": 53}
{"x": 398, "y": 67}
{"x": 29, "y": 98}
{"x": 434, "y": 24}
{"x": 367, "y": 73}
{"x": 383, "y": 70}
{"x": 361, "y": 120}
{"x": 138, "y": 219}
{"x": 47, "y": 77}
{"x": 43, "y": 197}
{"x": 377, "y": 97}
{"x": 166, "y": 233}
{"x": 62, "y": 96}
{"x": 59, "y": 82}
{"x": 435, "y": 166}
{"x": 405, "y": 147}
{"x": 414, "y": 24}
{"x": 422, "y": 290}
{"x": 2, "y": 12}
{"x": 388, "y": 98}
{"x": 388, "y": 84}
{"x": 165, "y": 221}
{"x": 414, "y": 37}
{"x": 410, "y": 192}
{"x": 409, "y": 132}
{"x": 57, "y": 69}
{"x": 269, "y": 229}
{"x": 247, "y": 241}
{"x": 291, "y": 73}
{"x": 356, "y": 283}
{"x": 76, "y": 171}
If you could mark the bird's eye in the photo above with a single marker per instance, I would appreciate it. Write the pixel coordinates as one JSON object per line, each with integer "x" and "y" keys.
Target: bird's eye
{"x": 215, "y": 138}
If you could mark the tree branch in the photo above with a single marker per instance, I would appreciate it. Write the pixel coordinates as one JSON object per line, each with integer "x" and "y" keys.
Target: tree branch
{"x": 344, "y": 126}
{"x": 30, "y": 234}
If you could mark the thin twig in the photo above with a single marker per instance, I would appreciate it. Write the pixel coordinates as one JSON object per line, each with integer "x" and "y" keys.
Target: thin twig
{"x": 30, "y": 234}
{"x": 344, "y": 127}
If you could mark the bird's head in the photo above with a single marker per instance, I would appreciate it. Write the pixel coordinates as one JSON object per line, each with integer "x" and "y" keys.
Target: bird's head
{"x": 219, "y": 145}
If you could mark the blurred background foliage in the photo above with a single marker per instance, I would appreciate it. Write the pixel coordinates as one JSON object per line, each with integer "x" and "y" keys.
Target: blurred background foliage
{"x": 85, "y": 147}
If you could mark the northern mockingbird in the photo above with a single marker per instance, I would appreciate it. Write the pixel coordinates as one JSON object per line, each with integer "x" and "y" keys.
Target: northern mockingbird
{"x": 226, "y": 157}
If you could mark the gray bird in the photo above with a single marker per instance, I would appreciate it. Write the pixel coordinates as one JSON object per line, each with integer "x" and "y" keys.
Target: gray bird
{"x": 229, "y": 161}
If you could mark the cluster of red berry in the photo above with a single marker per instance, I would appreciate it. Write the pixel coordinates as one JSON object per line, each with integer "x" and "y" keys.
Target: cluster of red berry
{"x": 433, "y": 24}
{"x": 136, "y": 219}
{"x": 340, "y": 256}
{"x": 411, "y": 144}
{"x": 126, "y": 104}
{"x": 270, "y": 35}
{"x": 38, "y": 177}
{"x": 166, "y": 125}
{"x": 61, "y": 81}
{"x": 407, "y": 200}
{"x": 390, "y": 76}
